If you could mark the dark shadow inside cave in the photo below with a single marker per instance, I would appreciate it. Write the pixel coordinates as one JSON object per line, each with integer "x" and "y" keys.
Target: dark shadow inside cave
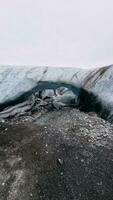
{"x": 88, "y": 102}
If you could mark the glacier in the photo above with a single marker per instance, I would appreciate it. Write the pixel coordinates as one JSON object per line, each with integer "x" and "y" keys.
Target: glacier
{"x": 93, "y": 88}
{"x": 15, "y": 82}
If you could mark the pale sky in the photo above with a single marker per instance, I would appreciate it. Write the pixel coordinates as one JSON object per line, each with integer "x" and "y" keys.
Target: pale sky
{"x": 77, "y": 33}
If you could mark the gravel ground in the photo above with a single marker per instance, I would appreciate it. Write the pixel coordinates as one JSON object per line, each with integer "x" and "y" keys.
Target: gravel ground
{"x": 56, "y": 155}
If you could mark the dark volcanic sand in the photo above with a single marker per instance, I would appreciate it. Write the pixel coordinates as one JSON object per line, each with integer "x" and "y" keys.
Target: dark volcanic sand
{"x": 66, "y": 155}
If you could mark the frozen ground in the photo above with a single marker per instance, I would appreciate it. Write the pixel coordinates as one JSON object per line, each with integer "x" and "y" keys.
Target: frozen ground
{"x": 58, "y": 155}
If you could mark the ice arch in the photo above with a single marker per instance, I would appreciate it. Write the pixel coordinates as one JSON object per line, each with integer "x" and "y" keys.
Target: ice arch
{"x": 18, "y": 83}
{"x": 95, "y": 86}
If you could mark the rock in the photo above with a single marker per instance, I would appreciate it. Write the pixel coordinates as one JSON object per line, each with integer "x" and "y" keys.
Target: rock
{"x": 58, "y": 105}
{"x": 3, "y": 121}
{"x": 93, "y": 114}
{"x": 60, "y": 161}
